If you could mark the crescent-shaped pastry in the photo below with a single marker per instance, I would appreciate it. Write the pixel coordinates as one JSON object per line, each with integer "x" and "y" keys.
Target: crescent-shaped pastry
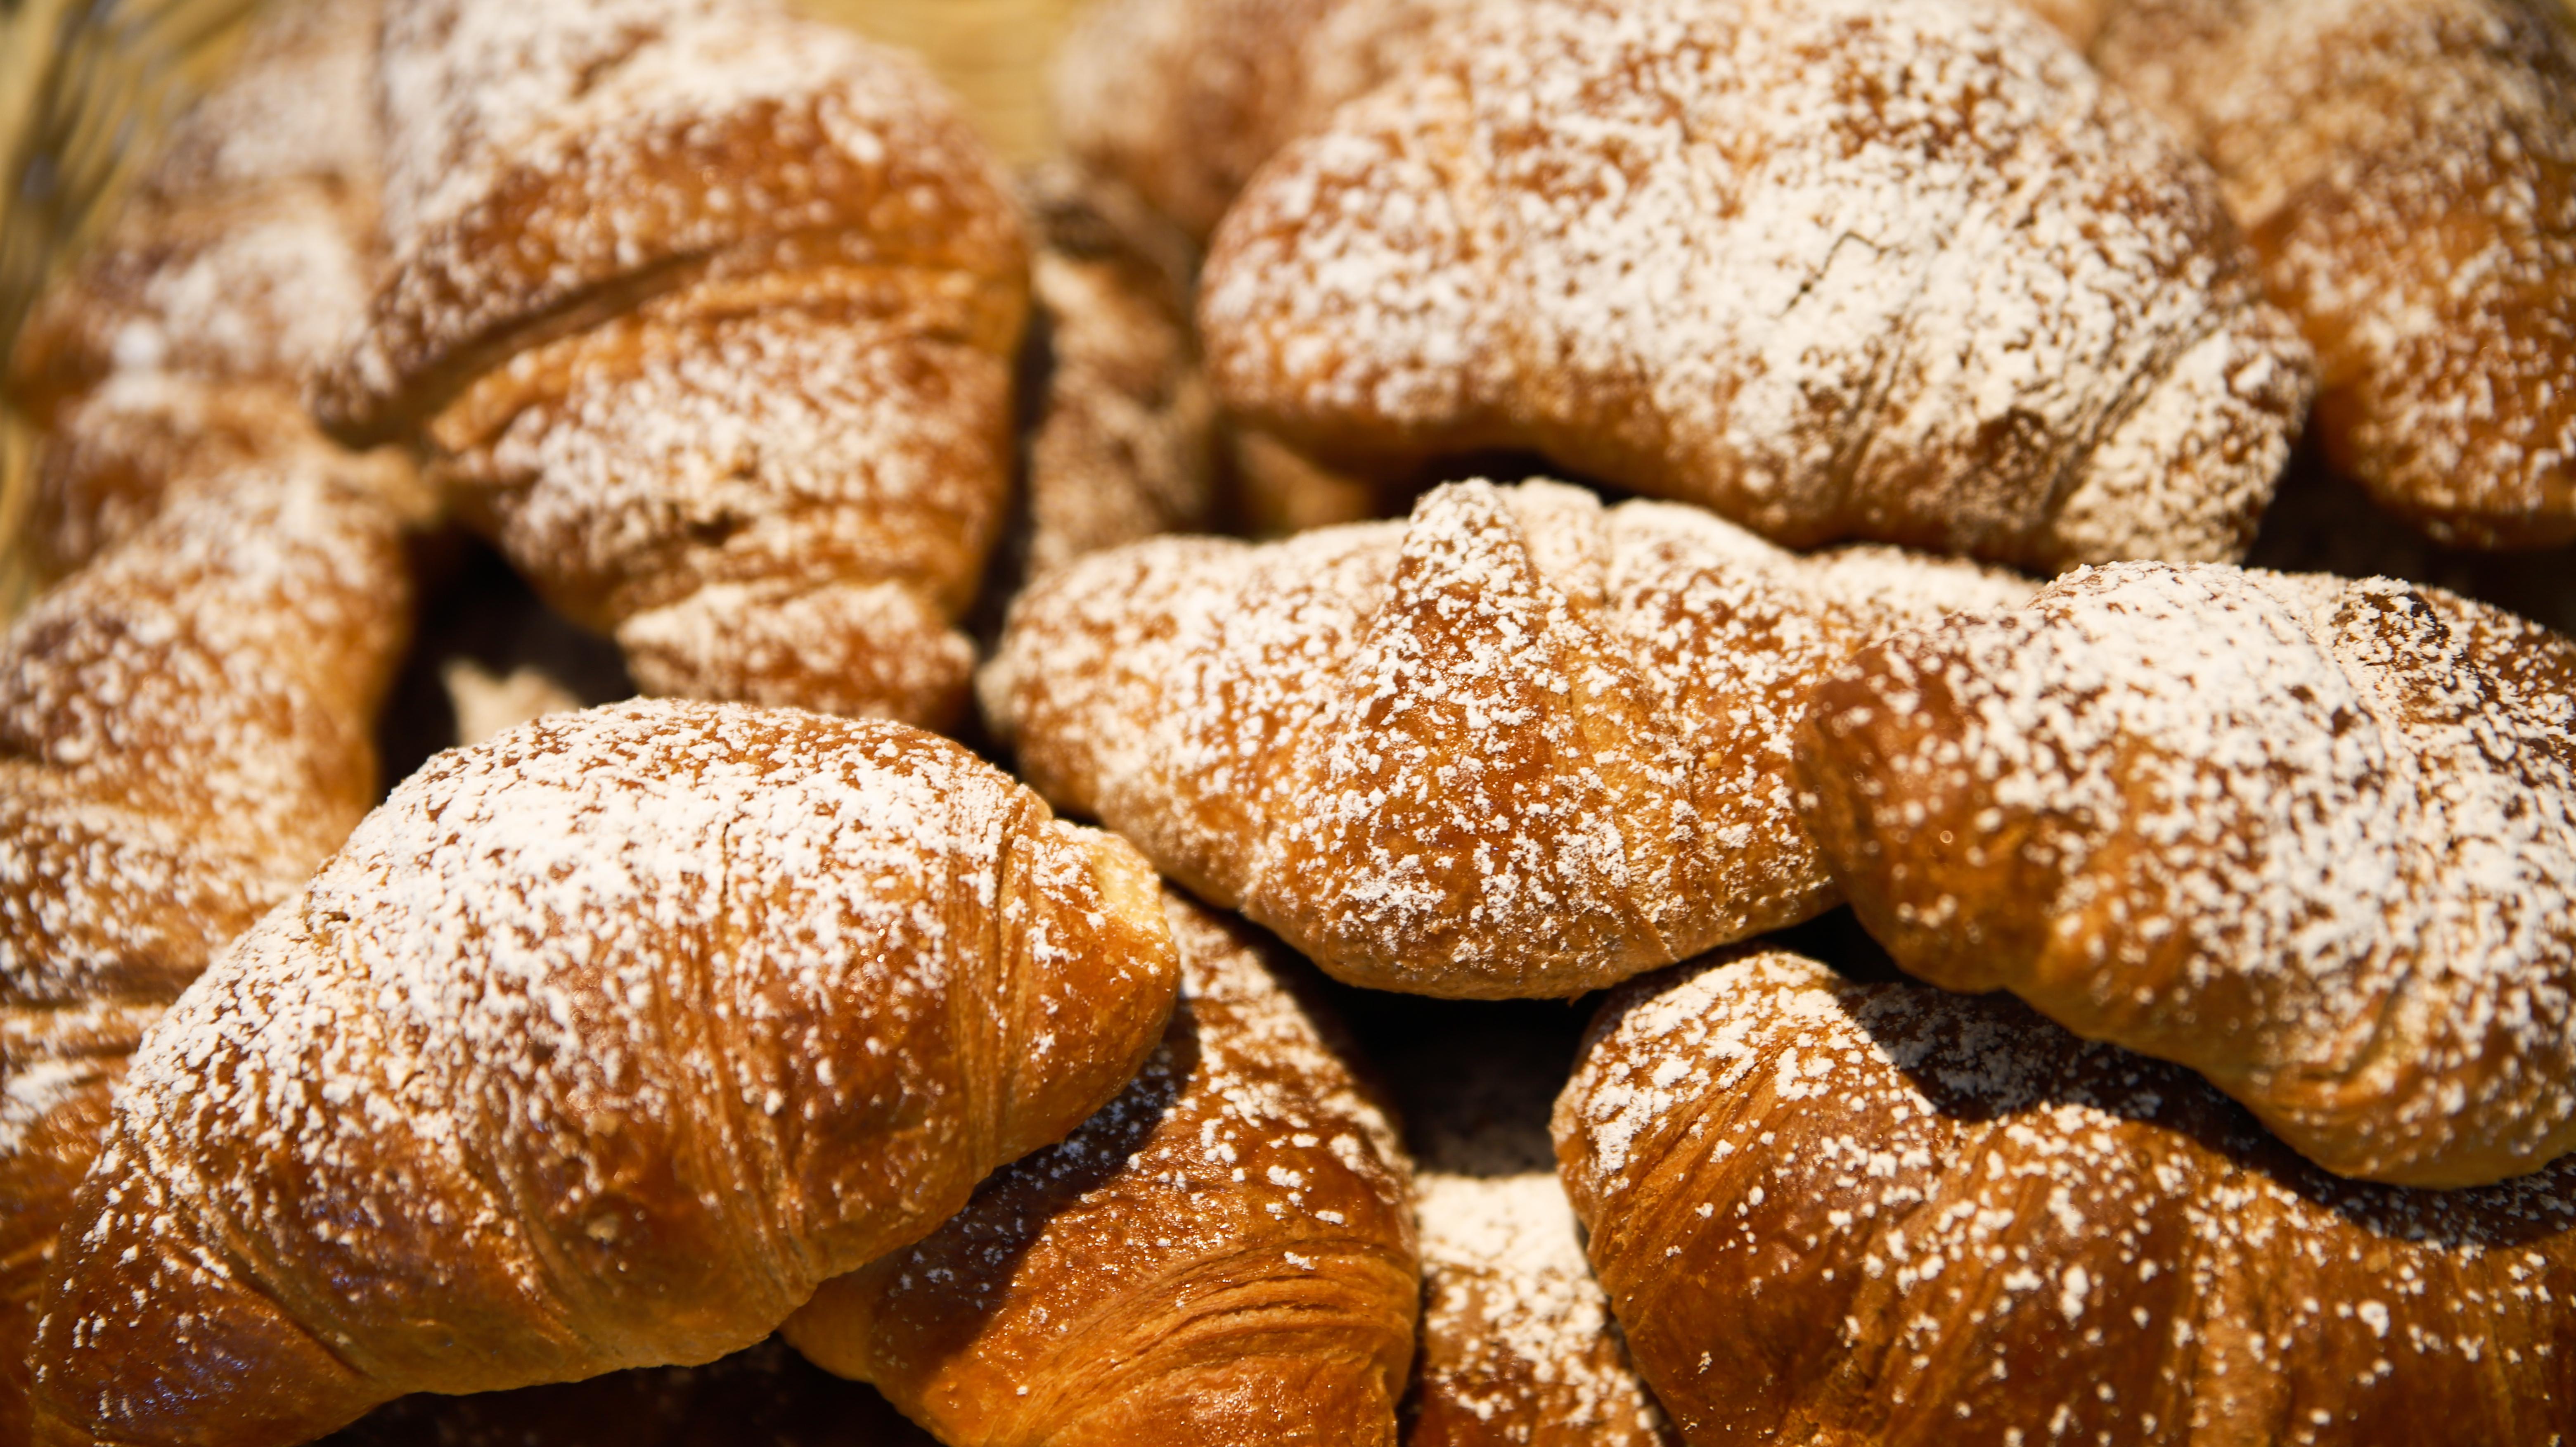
{"x": 1837, "y": 1212}
{"x": 2406, "y": 171}
{"x": 2314, "y": 838}
{"x": 1902, "y": 270}
{"x": 1520, "y": 745}
{"x": 599, "y": 1045}
{"x": 707, "y": 314}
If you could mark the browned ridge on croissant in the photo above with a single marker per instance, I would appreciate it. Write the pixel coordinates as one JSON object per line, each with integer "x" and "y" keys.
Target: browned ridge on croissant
{"x": 2314, "y": 838}
{"x": 1520, "y": 745}
{"x": 707, "y": 314}
{"x": 599, "y": 1045}
{"x": 1833, "y": 1212}
{"x": 1223, "y": 1255}
{"x": 1903, "y": 270}
{"x": 2406, "y": 171}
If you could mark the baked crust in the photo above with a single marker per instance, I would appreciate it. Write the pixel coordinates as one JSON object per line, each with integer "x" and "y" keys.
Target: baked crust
{"x": 2314, "y": 838}
{"x": 175, "y": 349}
{"x": 1887, "y": 1214}
{"x": 1223, "y": 1255}
{"x": 1748, "y": 255}
{"x": 185, "y": 730}
{"x": 708, "y": 315}
{"x": 1184, "y": 99}
{"x": 597, "y": 1046}
{"x": 2406, "y": 171}
{"x": 1125, "y": 439}
{"x": 1521, "y": 745}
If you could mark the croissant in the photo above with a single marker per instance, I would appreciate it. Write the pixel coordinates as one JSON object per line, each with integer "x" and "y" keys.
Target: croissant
{"x": 707, "y": 315}
{"x": 764, "y": 1397}
{"x": 2314, "y": 838}
{"x": 1744, "y": 253}
{"x": 1184, "y": 99}
{"x": 1522, "y": 745}
{"x": 1838, "y": 1212}
{"x": 2406, "y": 171}
{"x": 185, "y": 730}
{"x": 1124, "y": 445}
{"x": 1518, "y": 1344}
{"x": 1224, "y": 1255}
{"x": 600, "y": 1045}
{"x": 174, "y": 351}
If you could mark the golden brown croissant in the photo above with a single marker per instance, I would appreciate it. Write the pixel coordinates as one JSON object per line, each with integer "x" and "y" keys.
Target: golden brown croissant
{"x": 2314, "y": 838}
{"x": 1522, "y": 745}
{"x": 185, "y": 730}
{"x": 177, "y": 347}
{"x": 2406, "y": 170}
{"x": 1836, "y": 1212}
{"x": 766, "y": 1396}
{"x": 597, "y": 1046}
{"x": 1747, "y": 254}
{"x": 1518, "y": 1345}
{"x": 1124, "y": 445}
{"x": 1183, "y": 99}
{"x": 707, "y": 313}
{"x": 1224, "y": 1255}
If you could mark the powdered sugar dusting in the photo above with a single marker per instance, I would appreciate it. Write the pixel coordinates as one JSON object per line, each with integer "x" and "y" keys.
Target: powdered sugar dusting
{"x": 2404, "y": 168}
{"x": 1867, "y": 1208}
{"x": 1904, "y": 272}
{"x": 184, "y": 732}
{"x": 2315, "y": 838}
{"x": 706, "y": 310}
{"x": 1182, "y": 99}
{"x": 616, "y": 1034}
{"x": 1520, "y": 745}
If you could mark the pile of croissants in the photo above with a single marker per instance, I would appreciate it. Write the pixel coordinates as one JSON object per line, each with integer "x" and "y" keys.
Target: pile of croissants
{"x": 2062, "y": 985}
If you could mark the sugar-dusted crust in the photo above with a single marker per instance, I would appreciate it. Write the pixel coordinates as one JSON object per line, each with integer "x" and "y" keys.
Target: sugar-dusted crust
{"x": 708, "y": 314}
{"x": 1882, "y": 1213}
{"x": 599, "y": 1045}
{"x": 1223, "y": 1255}
{"x": 1521, "y": 745}
{"x": 185, "y": 730}
{"x": 1907, "y": 272}
{"x": 2314, "y": 838}
{"x": 2406, "y": 170}
{"x": 1184, "y": 99}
